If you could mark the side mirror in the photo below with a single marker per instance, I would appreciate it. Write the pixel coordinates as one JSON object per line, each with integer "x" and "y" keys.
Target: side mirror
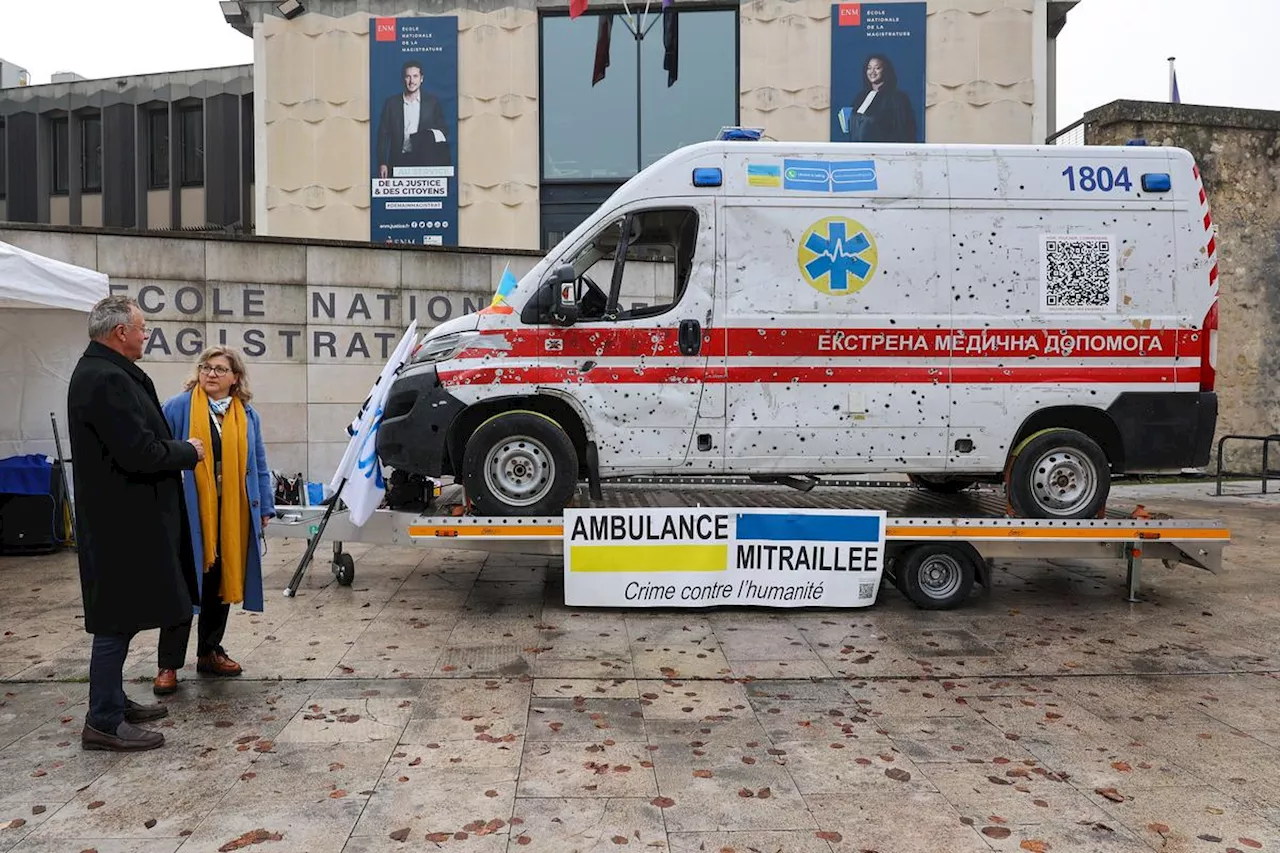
{"x": 564, "y": 298}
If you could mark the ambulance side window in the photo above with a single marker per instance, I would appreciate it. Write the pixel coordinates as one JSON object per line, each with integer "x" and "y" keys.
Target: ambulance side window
{"x": 646, "y": 280}
{"x": 658, "y": 262}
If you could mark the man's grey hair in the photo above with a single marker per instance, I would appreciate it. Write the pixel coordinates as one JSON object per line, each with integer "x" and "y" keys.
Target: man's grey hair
{"x": 110, "y": 312}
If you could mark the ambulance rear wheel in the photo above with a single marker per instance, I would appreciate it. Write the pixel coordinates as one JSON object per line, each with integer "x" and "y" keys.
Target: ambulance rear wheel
{"x": 937, "y": 577}
{"x": 1058, "y": 473}
{"x": 520, "y": 463}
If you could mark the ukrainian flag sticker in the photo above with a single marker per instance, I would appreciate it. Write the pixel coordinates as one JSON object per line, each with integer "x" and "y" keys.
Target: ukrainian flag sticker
{"x": 764, "y": 175}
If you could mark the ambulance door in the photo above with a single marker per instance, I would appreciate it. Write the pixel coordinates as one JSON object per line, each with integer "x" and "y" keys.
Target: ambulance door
{"x": 839, "y": 318}
{"x": 637, "y": 356}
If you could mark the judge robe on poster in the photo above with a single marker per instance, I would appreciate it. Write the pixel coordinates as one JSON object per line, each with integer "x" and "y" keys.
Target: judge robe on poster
{"x": 878, "y": 72}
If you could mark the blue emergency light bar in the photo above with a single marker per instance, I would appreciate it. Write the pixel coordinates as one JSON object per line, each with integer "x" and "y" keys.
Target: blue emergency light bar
{"x": 1156, "y": 182}
{"x": 748, "y": 134}
{"x": 707, "y": 176}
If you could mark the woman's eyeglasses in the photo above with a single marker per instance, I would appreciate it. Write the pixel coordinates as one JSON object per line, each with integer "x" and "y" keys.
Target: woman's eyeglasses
{"x": 215, "y": 369}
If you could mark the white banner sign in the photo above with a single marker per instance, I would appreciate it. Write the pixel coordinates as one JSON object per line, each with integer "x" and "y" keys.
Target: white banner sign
{"x": 413, "y": 187}
{"x": 716, "y": 556}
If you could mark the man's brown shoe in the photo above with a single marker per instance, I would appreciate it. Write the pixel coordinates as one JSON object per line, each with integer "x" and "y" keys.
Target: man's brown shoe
{"x": 165, "y": 682}
{"x": 217, "y": 663}
{"x": 127, "y": 738}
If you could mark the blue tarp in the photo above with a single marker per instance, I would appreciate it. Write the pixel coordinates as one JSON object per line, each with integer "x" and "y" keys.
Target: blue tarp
{"x": 26, "y": 475}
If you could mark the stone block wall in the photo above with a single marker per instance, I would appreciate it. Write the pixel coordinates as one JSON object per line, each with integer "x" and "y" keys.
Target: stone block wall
{"x": 1239, "y": 156}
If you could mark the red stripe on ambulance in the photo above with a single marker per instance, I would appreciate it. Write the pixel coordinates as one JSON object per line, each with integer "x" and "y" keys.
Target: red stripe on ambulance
{"x": 811, "y": 375}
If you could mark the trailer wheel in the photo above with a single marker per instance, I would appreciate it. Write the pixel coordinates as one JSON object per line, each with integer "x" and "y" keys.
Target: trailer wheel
{"x": 344, "y": 569}
{"x": 941, "y": 485}
{"x": 1058, "y": 473}
{"x": 520, "y": 463}
{"x": 937, "y": 577}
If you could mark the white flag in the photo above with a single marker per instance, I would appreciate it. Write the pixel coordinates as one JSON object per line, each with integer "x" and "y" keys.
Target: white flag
{"x": 360, "y": 466}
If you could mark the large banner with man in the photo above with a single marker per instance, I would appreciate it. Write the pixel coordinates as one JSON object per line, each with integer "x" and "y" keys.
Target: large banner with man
{"x": 413, "y": 130}
{"x": 877, "y": 72}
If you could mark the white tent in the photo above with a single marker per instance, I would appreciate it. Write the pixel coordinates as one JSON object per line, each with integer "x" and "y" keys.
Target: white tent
{"x": 44, "y": 308}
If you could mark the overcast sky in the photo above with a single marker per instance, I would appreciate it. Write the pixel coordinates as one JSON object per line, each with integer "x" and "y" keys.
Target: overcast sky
{"x": 1227, "y": 51}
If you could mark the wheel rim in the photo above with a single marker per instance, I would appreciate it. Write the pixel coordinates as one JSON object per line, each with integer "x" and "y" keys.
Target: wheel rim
{"x": 519, "y": 470}
{"x": 1063, "y": 480}
{"x": 940, "y": 576}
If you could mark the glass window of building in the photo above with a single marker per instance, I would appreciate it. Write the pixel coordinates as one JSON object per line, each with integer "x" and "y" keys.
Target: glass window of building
{"x": 61, "y": 161}
{"x": 596, "y": 135}
{"x": 158, "y": 149}
{"x": 4, "y": 159}
{"x": 191, "y": 125}
{"x": 91, "y": 153}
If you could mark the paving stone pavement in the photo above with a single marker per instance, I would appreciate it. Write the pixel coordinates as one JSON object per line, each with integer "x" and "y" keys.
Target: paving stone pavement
{"x": 449, "y": 700}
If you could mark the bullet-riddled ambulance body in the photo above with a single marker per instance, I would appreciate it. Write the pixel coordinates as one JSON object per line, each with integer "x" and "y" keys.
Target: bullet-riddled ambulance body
{"x": 1042, "y": 316}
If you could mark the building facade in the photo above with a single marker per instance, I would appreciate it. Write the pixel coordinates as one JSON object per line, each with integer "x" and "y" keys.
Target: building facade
{"x": 159, "y": 151}
{"x": 544, "y": 114}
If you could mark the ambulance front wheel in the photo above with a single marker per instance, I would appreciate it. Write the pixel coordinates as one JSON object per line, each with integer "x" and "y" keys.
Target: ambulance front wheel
{"x": 520, "y": 463}
{"x": 1058, "y": 473}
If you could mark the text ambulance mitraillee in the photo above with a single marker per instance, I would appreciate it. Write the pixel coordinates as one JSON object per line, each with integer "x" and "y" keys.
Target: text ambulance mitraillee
{"x": 709, "y": 528}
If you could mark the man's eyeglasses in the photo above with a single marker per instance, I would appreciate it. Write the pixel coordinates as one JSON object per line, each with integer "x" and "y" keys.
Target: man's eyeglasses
{"x": 215, "y": 369}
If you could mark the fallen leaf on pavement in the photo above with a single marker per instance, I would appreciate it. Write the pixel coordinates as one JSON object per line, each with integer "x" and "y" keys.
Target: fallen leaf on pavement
{"x": 1034, "y": 845}
{"x": 830, "y": 836}
{"x": 703, "y": 774}
{"x": 256, "y": 836}
{"x": 1111, "y": 794}
{"x": 400, "y": 834}
{"x": 996, "y": 831}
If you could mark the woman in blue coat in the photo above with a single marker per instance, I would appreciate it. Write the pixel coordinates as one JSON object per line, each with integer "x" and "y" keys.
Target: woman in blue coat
{"x": 229, "y": 499}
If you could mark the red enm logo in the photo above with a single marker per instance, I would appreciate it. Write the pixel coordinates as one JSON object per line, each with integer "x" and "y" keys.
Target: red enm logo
{"x": 850, "y": 14}
{"x": 385, "y": 29}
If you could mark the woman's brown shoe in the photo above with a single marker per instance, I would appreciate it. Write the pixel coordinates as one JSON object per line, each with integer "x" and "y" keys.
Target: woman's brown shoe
{"x": 165, "y": 682}
{"x": 217, "y": 663}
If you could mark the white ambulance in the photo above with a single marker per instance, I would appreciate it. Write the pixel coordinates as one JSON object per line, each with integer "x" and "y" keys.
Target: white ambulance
{"x": 1040, "y": 316}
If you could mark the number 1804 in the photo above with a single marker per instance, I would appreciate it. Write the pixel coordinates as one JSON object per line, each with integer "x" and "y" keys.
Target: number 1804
{"x": 1089, "y": 179}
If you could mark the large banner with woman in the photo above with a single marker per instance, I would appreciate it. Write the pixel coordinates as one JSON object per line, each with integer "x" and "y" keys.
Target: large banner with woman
{"x": 877, "y": 72}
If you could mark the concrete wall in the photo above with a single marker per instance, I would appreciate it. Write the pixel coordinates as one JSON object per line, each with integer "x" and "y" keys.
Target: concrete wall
{"x": 987, "y": 79}
{"x": 316, "y": 320}
{"x": 1239, "y": 156}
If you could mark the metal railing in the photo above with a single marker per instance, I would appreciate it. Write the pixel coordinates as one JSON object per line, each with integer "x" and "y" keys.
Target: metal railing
{"x": 1072, "y": 134}
{"x": 1267, "y": 472}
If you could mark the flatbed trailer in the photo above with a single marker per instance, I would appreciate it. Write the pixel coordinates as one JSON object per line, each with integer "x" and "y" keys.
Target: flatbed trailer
{"x": 929, "y": 537}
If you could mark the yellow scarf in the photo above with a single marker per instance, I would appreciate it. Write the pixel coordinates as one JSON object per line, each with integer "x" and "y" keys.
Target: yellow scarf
{"x": 235, "y": 535}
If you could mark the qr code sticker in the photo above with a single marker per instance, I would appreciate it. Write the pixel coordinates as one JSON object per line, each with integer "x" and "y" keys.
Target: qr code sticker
{"x": 1078, "y": 273}
{"x": 866, "y": 590}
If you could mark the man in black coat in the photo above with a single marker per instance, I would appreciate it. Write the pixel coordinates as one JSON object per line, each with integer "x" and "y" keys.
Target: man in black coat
{"x": 137, "y": 571}
{"x": 411, "y": 128}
